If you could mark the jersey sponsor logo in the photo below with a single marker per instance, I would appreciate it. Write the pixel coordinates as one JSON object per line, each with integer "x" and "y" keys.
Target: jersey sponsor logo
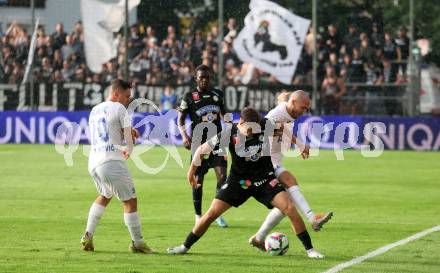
{"x": 209, "y": 117}
{"x": 206, "y": 96}
{"x": 254, "y": 157}
{"x": 273, "y": 183}
{"x": 214, "y": 140}
{"x": 218, "y": 151}
{"x": 245, "y": 183}
{"x": 195, "y": 96}
{"x": 259, "y": 183}
{"x": 250, "y": 151}
{"x": 208, "y": 109}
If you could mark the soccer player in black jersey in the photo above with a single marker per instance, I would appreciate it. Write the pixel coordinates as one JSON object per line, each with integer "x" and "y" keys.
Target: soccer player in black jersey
{"x": 203, "y": 105}
{"x": 252, "y": 174}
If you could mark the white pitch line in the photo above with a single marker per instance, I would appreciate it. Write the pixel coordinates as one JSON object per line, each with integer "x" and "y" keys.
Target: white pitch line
{"x": 382, "y": 250}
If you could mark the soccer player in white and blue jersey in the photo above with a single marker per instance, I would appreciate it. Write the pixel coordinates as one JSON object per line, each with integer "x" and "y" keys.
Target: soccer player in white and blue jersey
{"x": 110, "y": 127}
{"x": 290, "y": 107}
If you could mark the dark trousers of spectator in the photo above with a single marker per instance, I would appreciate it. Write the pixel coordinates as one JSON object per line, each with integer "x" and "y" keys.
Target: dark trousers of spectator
{"x": 330, "y": 105}
{"x": 393, "y": 107}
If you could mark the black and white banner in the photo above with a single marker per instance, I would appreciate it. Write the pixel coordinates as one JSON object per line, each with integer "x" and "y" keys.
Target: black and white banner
{"x": 77, "y": 96}
{"x": 272, "y": 39}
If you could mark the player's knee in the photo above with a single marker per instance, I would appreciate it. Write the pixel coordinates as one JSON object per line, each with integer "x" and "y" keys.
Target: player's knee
{"x": 291, "y": 180}
{"x": 130, "y": 205}
{"x": 288, "y": 181}
{"x": 102, "y": 200}
{"x": 288, "y": 209}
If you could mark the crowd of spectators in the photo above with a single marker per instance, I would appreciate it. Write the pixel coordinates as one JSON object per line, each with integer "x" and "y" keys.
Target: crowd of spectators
{"x": 370, "y": 58}
{"x": 356, "y": 57}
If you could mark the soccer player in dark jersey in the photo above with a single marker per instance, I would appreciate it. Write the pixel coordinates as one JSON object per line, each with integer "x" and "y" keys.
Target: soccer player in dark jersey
{"x": 252, "y": 174}
{"x": 203, "y": 105}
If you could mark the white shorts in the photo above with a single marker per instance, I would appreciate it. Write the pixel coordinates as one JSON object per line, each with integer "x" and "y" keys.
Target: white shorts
{"x": 279, "y": 169}
{"x": 112, "y": 178}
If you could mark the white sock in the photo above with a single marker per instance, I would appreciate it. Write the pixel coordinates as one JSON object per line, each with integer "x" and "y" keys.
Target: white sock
{"x": 300, "y": 202}
{"x": 95, "y": 213}
{"x": 133, "y": 224}
{"x": 273, "y": 218}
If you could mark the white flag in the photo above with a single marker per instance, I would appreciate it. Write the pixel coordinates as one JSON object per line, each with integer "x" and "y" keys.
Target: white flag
{"x": 430, "y": 91}
{"x": 31, "y": 53}
{"x": 272, "y": 39}
{"x": 100, "y": 20}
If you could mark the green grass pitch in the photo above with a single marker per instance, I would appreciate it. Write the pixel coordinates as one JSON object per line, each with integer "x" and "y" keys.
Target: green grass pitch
{"x": 376, "y": 201}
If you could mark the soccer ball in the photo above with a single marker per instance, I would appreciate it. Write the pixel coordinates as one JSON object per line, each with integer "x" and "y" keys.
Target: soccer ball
{"x": 276, "y": 243}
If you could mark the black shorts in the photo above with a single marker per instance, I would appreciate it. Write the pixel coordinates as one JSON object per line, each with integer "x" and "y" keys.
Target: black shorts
{"x": 211, "y": 162}
{"x": 237, "y": 190}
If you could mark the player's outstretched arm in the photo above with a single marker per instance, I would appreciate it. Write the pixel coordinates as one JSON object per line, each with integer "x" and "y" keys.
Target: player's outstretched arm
{"x": 128, "y": 137}
{"x": 203, "y": 149}
{"x": 303, "y": 148}
{"x": 181, "y": 122}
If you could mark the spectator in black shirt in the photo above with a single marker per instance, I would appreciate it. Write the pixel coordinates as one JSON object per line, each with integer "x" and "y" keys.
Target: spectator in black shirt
{"x": 376, "y": 37}
{"x": 357, "y": 64}
{"x": 367, "y": 52}
{"x": 351, "y": 40}
{"x": 57, "y": 62}
{"x": 333, "y": 62}
{"x": 390, "y": 50}
{"x": 59, "y": 36}
{"x": 332, "y": 39}
{"x": 402, "y": 42}
{"x": 346, "y": 68}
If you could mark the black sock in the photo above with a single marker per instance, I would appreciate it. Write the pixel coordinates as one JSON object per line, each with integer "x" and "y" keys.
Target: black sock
{"x": 305, "y": 239}
{"x": 190, "y": 240}
{"x": 220, "y": 172}
{"x": 197, "y": 199}
{"x": 219, "y": 185}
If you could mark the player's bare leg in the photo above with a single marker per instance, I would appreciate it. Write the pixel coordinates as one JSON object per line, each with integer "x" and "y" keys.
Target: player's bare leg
{"x": 275, "y": 216}
{"x": 95, "y": 213}
{"x": 218, "y": 207}
{"x": 133, "y": 223}
{"x": 220, "y": 173}
{"x": 292, "y": 187}
{"x": 283, "y": 202}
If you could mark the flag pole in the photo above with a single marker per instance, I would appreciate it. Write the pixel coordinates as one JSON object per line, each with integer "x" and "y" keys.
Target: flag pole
{"x": 126, "y": 42}
{"x": 315, "y": 61}
{"x": 31, "y": 72}
{"x": 220, "y": 46}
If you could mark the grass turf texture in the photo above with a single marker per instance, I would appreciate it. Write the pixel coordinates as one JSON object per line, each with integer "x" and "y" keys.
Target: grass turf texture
{"x": 376, "y": 201}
